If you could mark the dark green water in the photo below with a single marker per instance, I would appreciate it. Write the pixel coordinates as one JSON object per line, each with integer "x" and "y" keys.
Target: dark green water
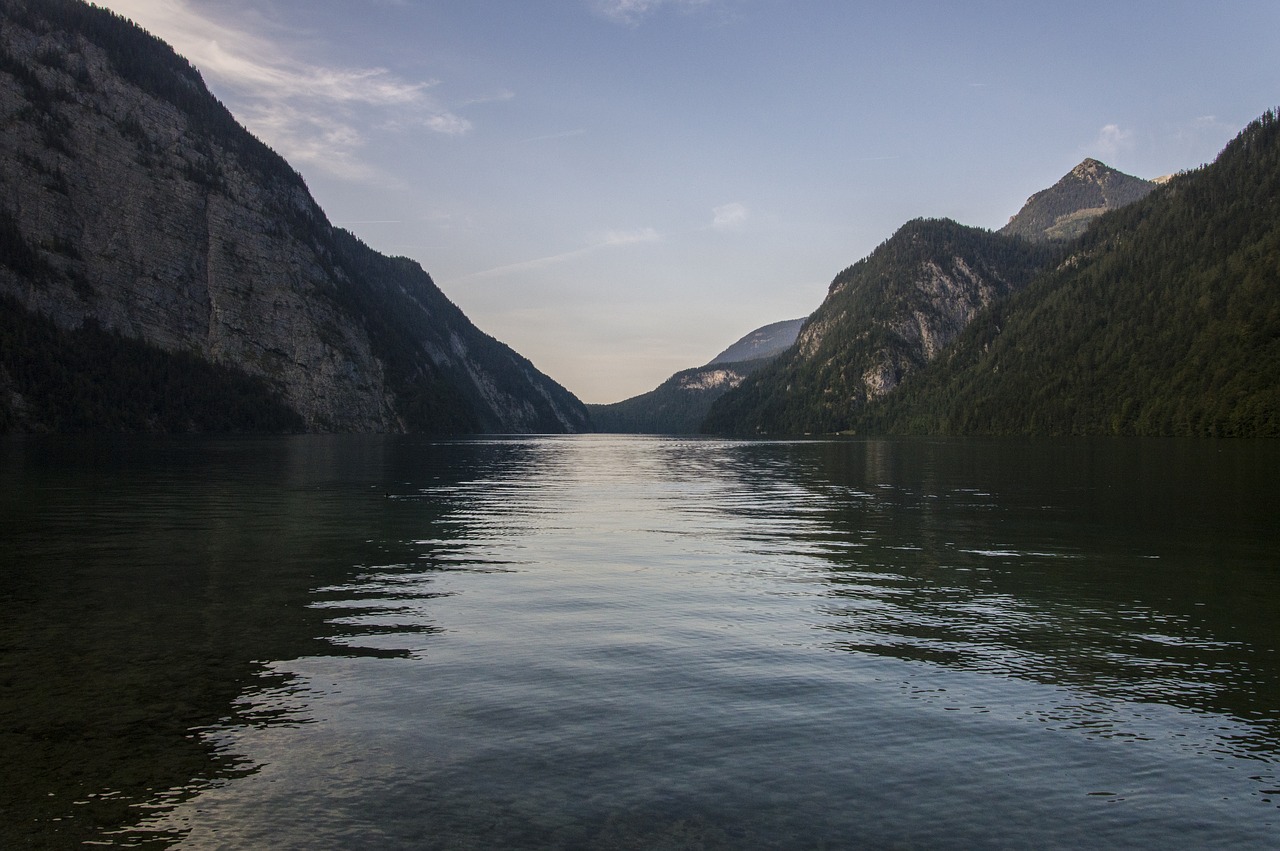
{"x": 609, "y": 642}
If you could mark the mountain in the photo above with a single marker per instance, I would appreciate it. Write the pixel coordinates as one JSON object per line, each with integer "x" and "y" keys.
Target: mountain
{"x": 762, "y": 343}
{"x": 1064, "y": 210}
{"x": 163, "y": 270}
{"x": 679, "y": 404}
{"x": 883, "y": 318}
{"x": 1164, "y": 319}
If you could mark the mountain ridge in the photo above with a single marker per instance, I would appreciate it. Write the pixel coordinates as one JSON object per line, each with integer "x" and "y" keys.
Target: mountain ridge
{"x": 1161, "y": 318}
{"x": 133, "y": 201}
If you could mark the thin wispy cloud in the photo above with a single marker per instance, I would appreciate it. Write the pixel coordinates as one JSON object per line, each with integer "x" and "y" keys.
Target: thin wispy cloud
{"x": 632, "y": 12}
{"x": 1112, "y": 141}
{"x": 310, "y": 113}
{"x": 551, "y": 137}
{"x": 626, "y": 237}
{"x": 1204, "y": 127}
{"x": 608, "y": 239}
{"x": 728, "y": 216}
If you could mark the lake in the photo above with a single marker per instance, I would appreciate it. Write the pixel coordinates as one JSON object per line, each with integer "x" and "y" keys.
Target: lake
{"x": 616, "y": 642}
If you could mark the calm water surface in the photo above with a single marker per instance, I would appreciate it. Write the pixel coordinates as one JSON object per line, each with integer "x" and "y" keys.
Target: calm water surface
{"x": 616, "y": 642}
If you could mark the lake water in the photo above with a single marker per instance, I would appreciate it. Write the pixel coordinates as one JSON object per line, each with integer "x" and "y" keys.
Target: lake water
{"x": 633, "y": 643}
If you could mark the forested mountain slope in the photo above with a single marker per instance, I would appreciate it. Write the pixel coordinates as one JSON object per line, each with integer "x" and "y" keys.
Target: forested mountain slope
{"x": 883, "y": 318}
{"x": 1163, "y": 320}
{"x": 143, "y": 232}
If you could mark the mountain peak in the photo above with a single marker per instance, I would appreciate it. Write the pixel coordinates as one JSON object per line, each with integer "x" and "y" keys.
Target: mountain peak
{"x": 1090, "y": 168}
{"x": 1064, "y": 210}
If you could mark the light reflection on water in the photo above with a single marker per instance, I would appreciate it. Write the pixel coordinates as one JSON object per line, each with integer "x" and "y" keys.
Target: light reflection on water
{"x": 631, "y": 643}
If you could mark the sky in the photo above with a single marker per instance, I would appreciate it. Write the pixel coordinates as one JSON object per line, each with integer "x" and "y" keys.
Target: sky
{"x": 620, "y": 189}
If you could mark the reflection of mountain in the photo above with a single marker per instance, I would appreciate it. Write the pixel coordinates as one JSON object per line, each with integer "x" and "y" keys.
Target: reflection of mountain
{"x": 146, "y": 584}
{"x": 1079, "y": 565}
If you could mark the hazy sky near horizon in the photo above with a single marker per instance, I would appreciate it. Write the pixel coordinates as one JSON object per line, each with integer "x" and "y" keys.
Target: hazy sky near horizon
{"x": 619, "y": 189}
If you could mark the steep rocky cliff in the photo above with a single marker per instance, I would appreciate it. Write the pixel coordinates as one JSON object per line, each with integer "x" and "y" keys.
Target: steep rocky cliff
{"x": 883, "y": 318}
{"x": 130, "y": 200}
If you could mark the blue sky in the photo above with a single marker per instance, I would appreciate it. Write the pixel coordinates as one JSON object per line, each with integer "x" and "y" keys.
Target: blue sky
{"x": 619, "y": 189}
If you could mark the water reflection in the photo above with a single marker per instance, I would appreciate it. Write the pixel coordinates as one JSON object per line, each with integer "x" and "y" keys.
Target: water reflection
{"x": 1104, "y": 566}
{"x": 148, "y": 584}
{"x": 617, "y": 642}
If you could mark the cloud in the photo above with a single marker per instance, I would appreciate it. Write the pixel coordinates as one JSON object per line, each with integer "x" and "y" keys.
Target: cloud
{"x": 549, "y": 137}
{"x": 309, "y": 113}
{"x": 631, "y": 12}
{"x": 1112, "y": 141}
{"x": 1205, "y": 129}
{"x": 626, "y": 237}
{"x": 605, "y": 240}
{"x": 728, "y": 216}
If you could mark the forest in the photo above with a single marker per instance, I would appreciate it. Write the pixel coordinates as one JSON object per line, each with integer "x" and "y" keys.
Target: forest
{"x": 94, "y": 380}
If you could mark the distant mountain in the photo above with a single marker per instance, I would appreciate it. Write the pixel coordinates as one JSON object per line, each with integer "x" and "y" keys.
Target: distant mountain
{"x": 884, "y": 318}
{"x": 762, "y": 343}
{"x": 163, "y": 270}
{"x": 679, "y": 404}
{"x": 1064, "y": 210}
{"x": 1164, "y": 319}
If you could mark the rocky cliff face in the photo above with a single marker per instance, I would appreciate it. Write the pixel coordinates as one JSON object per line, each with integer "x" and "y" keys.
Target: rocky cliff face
{"x": 134, "y": 201}
{"x": 1064, "y": 210}
{"x": 884, "y": 318}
